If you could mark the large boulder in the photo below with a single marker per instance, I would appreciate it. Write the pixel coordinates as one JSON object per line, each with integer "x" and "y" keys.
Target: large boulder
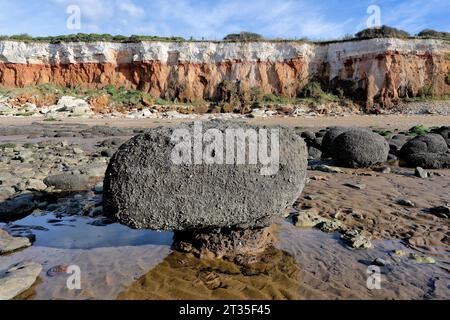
{"x": 425, "y": 143}
{"x": 328, "y": 139}
{"x": 429, "y": 160}
{"x": 444, "y": 132}
{"x": 144, "y": 187}
{"x": 359, "y": 148}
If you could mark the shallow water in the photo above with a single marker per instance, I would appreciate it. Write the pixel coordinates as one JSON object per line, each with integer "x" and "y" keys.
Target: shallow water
{"x": 115, "y": 260}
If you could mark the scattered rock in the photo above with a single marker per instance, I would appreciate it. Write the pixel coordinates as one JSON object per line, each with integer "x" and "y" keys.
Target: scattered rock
{"x": 360, "y": 148}
{"x": 406, "y": 203}
{"x": 384, "y": 170}
{"x": 69, "y": 182}
{"x": 440, "y": 211}
{"x": 380, "y": 262}
{"x": 421, "y": 173}
{"x": 307, "y": 219}
{"x": 35, "y": 185}
{"x": 420, "y": 259}
{"x": 357, "y": 240}
{"x": 326, "y": 168}
{"x": 329, "y": 226}
{"x": 10, "y": 244}
{"x": 18, "y": 278}
{"x": 17, "y": 207}
{"x": 399, "y": 252}
{"x": 358, "y": 186}
{"x": 314, "y": 153}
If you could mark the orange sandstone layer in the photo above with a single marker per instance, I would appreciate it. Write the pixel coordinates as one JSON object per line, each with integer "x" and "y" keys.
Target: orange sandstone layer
{"x": 379, "y": 70}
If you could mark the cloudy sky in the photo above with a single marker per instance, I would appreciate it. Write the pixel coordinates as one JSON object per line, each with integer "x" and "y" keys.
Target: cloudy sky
{"x": 213, "y": 19}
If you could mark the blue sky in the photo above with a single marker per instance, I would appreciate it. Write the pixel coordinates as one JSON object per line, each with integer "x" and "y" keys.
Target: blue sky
{"x": 213, "y": 19}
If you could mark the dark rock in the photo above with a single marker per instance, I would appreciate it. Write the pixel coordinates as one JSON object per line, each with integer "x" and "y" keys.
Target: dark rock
{"x": 224, "y": 243}
{"x": 360, "y": 148}
{"x": 143, "y": 188}
{"x": 425, "y": 143}
{"x": 308, "y": 136}
{"x": 314, "y": 153}
{"x": 112, "y": 142}
{"x": 17, "y": 207}
{"x": 107, "y": 153}
{"x": 444, "y": 132}
{"x": 328, "y": 140}
{"x": 429, "y": 160}
{"x": 70, "y": 182}
{"x": 406, "y": 203}
{"x": 440, "y": 211}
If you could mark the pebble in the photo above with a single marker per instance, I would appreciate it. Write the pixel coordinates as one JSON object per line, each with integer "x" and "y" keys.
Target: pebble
{"x": 421, "y": 173}
{"x": 406, "y": 203}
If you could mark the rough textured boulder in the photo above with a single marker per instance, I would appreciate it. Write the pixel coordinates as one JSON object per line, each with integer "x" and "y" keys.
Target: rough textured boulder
{"x": 425, "y": 143}
{"x": 328, "y": 139}
{"x": 143, "y": 188}
{"x": 360, "y": 148}
{"x": 429, "y": 160}
{"x": 444, "y": 132}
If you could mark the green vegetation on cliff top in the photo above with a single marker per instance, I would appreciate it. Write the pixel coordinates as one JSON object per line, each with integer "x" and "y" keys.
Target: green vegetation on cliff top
{"x": 381, "y": 32}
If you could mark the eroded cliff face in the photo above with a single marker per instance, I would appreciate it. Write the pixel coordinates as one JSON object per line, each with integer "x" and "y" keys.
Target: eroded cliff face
{"x": 382, "y": 69}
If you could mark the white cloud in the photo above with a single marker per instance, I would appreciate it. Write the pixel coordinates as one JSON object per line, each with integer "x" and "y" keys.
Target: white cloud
{"x": 130, "y": 8}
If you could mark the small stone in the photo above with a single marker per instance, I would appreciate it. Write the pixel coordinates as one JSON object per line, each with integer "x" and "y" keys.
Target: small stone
{"x": 379, "y": 262}
{"x": 307, "y": 219}
{"x": 421, "y": 173}
{"x": 329, "y": 226}
{"x": 358, "y": 186}
{"x": 399, "y": 252}
{"x": 383, "y": 170}
{"x": 420, "y": 259}
{"x": 97, "y": 211}
{"x": 326, "y": 168}
{"x": 357, "y": 240}
{"x": 35, "y": 185}
{"x": 406, "y": 203}
{"x": 99, "y": 187}
{"x": 77, "y": 150}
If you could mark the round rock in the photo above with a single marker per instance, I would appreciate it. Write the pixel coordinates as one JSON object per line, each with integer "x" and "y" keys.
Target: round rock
{"x": 145, "y": 188}
{"x": 425, "y": 143}
{"x": 360, "y": 148}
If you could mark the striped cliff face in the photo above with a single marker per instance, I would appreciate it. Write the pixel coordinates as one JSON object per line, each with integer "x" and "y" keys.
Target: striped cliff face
{"x": 383, "y": 69}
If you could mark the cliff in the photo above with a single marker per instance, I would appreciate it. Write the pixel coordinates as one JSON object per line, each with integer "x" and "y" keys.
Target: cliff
{"x": 379, "y": 70}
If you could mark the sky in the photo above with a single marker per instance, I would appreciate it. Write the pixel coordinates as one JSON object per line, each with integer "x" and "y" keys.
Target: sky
{"x": 213, "y": 19}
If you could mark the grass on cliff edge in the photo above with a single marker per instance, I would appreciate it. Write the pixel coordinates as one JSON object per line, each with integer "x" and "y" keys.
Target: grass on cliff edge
{"x": 370, "y": 33}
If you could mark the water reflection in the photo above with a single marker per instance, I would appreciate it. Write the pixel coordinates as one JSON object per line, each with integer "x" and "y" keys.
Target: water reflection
{"x": 183, "y": 276}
